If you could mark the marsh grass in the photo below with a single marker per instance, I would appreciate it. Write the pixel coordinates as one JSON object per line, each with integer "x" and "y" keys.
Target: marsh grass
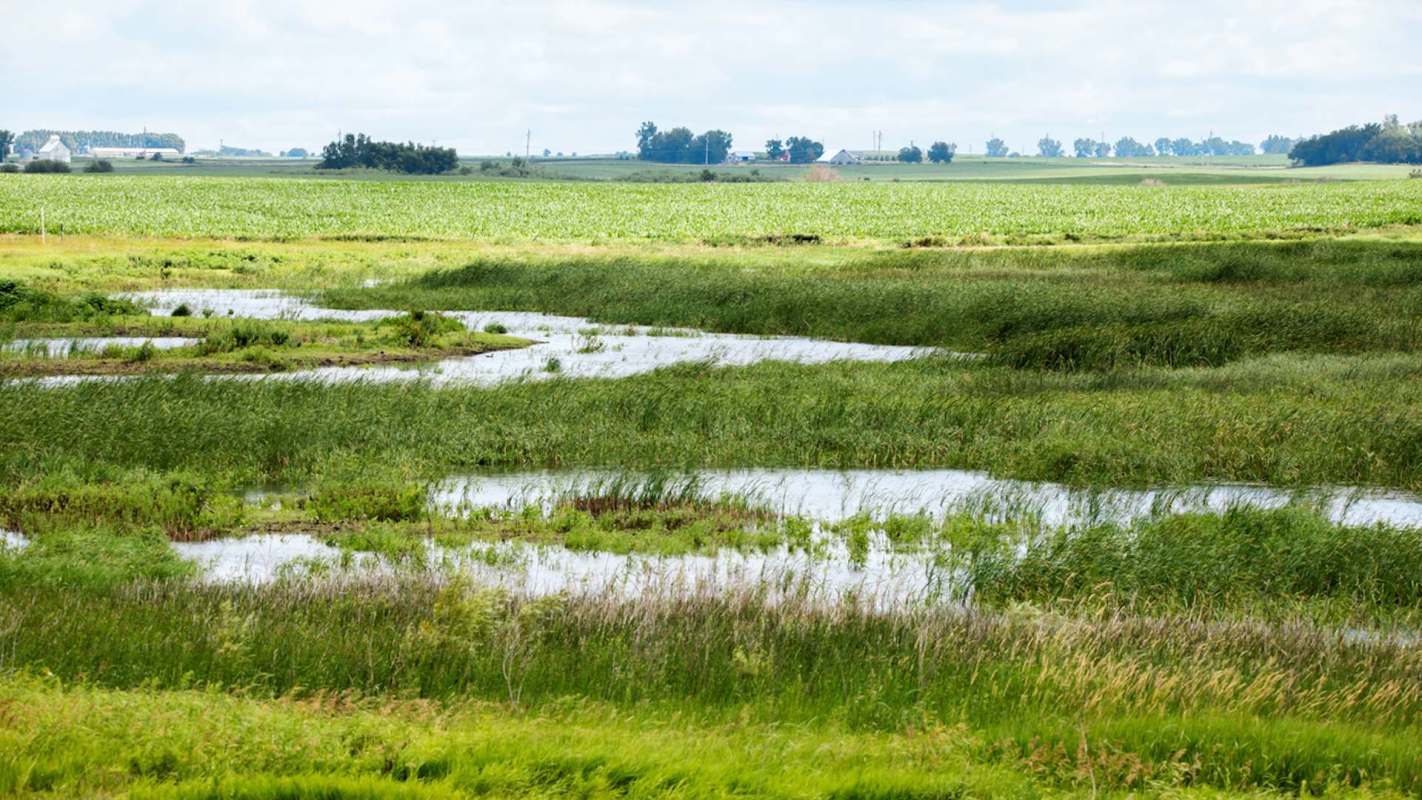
{"x": 1172, "y": 698}
{"x": 1092, "y": 308}
{"x": 1288, "y": 421}
{"x": 242, "y": 345}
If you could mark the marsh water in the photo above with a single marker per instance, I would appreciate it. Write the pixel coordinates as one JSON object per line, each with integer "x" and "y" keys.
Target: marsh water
{"x": 69, "y": 346}
{"x": 565, "y": 346}
{"x": 823, "y": 496}
{"x": 834, "y": 495}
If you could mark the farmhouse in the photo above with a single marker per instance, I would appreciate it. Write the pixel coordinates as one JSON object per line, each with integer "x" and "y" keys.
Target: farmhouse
{"x": 844, "y": 158}
{"x": 740, "y": 157}
{"x": 53, "y": 150}
{"x": 134, "y": 152}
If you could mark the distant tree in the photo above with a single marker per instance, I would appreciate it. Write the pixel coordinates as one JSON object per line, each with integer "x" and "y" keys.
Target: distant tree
{"x": 774, "y": 149}
{"x": 295, "y": 152}
{"x": 1184, "y": 148}
{"x": 1162, "y": 147}
{"x": 6, "y": 139}
{"x": 1047, "y": 147}
{"x": 803, "y": 149}
{"x": 1276, "y": 145}
{"x": 645, "y": 135}
{"x": 996, "y": 148}
{"x": 711, "y": 147}
{"x": 911, "y": 155}
{"x": 1084, "y": 148}
{"x": 1346, "y": 144}
{"x": 680, "y": 146}
{"x": 1127, "y": 147}
{"x": 1396, "y": 144}
{"x": 359, "y": 150}
{"x": 942, "y": 152}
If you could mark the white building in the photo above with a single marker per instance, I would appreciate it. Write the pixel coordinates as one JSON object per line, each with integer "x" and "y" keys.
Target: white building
{"x": 740, "y": 157}
{"x": 53, "y": 150}
{"x": 844, "y": 158}
{"x": 134, "y": 152}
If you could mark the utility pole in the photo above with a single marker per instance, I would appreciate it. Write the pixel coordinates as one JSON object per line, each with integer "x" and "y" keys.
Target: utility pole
{"x": 527, "y": 141}
{"x": 707, "y": 158}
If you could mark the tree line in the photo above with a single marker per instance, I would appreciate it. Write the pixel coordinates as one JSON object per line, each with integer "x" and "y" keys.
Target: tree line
{"x": 1390, "y": 142}
{"x": 1128, "y": 147}
{"x": 681, "y": 146}
{"x": 799, "y": 149}
{"x": 83, "y": 141}
{"x": 359, "y": 150}
{"x": 938, "y": 153}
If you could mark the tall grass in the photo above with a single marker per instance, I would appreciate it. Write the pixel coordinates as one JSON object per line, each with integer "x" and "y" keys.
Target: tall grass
{"x": 1234, "y": 703}
{"x": 1198, "y": 305}
{"x": 1204, "y": 560}
{"x": 1287, "y": 421}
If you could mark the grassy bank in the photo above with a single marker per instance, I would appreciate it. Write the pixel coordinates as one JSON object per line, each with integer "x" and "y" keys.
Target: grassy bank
{"x": 1169, "y": 700}
{"x": 81, "y": 741}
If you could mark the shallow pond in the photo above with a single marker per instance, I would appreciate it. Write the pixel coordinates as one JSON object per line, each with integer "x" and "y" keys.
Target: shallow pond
{"x": 566, "y": 346}
{"x": 882, "y": 577}
{"x": 65, "y": 347}
{"x": 833, "y": 495}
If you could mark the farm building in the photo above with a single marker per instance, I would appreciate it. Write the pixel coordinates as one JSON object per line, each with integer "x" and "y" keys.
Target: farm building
{"x": 844, "y": 158}
{"x": 53, "y": 150}
{"x": 740, "y": 157}
{"x": 134, "y": 152}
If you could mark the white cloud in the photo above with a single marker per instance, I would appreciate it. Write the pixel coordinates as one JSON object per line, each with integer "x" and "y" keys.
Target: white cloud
{"x": 582, "y": 75}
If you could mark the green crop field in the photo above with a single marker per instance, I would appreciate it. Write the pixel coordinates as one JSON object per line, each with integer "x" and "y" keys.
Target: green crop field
{"x": 1012, "y": 478}
{"x": 163, "y": 206}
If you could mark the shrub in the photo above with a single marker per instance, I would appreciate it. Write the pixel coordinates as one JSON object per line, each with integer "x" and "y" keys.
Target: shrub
{"x": 19, "y": 302}
{"x": 46, "y": 166}
{"x": 102, "y": 165}
{"x": 9, "y": 168}
{"x": 183, "y": 311}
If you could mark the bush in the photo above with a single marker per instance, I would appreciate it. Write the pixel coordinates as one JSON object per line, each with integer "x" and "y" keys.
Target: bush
{"x": 419, "y": 328}
{"x": 9, "y": 168}
{"x": 46, "y": 166}
{"x": 21, "y": 303}
{"x": 102, "y": 165}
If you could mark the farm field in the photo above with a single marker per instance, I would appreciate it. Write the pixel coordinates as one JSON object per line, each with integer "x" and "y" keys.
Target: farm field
{"x": 803, "y": 490}
{"x": 1241, "y": 170}
{"x": 935, "y": 213}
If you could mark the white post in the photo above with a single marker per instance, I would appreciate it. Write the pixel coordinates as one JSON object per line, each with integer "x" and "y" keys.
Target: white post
{"x": 42, "y": 233}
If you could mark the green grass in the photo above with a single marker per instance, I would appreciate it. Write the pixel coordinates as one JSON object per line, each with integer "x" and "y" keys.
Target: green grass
{"x": 1202, "y": 561}
{"x": 1171, "y": 700}
{"x": 1088, "y": 308}
{"x": 82, "y": 741}
{"x": 1282, "y": 420}
{"x": 255, "y": 208}
{"x": 228, "y": 345}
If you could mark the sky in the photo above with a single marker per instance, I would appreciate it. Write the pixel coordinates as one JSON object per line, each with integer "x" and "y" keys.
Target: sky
{"x": 583, "y": 75}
